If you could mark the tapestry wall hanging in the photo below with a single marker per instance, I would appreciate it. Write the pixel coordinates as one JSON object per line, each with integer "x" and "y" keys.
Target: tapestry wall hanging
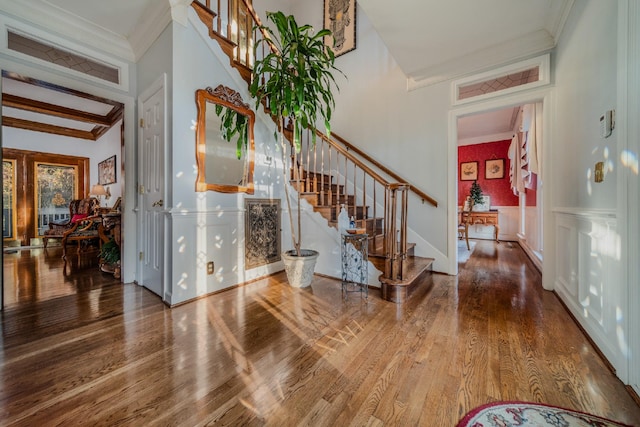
{"x": 262, "y": 232}
{"x": 340, "y": 19}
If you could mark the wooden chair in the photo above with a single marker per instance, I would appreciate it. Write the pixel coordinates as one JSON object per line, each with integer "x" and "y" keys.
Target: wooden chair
{"x": 82, "y": 225}
{"x": 464, "y": 221}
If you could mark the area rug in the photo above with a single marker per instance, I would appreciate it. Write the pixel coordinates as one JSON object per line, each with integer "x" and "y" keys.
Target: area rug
{"x": 463, "y": 252}
{"x": 502, "y": 414}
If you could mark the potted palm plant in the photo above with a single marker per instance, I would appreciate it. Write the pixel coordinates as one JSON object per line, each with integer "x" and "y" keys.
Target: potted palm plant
{"x": 294, "y": 82}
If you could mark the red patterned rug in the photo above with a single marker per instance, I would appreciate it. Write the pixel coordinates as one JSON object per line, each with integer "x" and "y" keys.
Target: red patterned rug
{"x": 502, "y": 414}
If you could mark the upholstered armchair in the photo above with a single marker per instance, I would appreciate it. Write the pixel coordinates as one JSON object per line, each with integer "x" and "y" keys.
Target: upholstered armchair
{"x": 82, "y": 223}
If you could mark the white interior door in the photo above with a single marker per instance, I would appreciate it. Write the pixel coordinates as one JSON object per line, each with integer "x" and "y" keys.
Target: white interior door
{"x": 151, "y": 186}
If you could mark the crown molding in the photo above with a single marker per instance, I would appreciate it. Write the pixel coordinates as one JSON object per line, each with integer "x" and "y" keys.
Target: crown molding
{"x": 61, "y": 22}
{"x": 155, "y": 20}
{"x": 494, "y": 56}
{"x": 558, "y": 17}
{"x": 180, "y": 11}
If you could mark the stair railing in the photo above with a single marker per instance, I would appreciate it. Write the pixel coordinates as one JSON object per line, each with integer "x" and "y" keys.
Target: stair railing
{"x": 328, "y": 170}
{"x": 333, "y": 176}
{"x": 421, "y": 194}
{"x": 231, "y": 23}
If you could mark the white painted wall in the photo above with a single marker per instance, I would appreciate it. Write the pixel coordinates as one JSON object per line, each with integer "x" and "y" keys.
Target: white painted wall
{"x": 585, "y": 78}
{"x": 209, "y": 226}
{"x": 588, "y": 250}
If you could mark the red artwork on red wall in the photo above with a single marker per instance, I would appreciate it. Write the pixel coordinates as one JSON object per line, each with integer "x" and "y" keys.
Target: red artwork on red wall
{"x": 498, "y": 189}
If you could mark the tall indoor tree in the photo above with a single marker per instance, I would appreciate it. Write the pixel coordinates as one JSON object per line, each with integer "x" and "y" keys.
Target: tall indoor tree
{"x": 294, "y": 81}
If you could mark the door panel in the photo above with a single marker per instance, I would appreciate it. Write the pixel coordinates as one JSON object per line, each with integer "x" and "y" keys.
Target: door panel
{"x": 151, "y": 190}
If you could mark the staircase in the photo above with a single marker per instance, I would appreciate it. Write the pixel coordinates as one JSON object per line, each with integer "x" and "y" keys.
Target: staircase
{"x": 333, "y": 172}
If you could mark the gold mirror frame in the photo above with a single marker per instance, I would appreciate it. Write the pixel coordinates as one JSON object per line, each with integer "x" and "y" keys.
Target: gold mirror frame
{"x": 212, "y": 149}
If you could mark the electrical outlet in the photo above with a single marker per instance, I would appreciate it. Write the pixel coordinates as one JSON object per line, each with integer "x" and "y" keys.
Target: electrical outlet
{"x": 210, "y": 268}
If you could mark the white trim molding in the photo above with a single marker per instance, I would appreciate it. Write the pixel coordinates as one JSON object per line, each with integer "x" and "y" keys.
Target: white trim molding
{"x": 628, "y": 177}
{"x": 8, "y": 24}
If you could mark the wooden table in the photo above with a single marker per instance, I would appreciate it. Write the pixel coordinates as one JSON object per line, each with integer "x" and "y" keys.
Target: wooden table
{"x": 486, "y": 218}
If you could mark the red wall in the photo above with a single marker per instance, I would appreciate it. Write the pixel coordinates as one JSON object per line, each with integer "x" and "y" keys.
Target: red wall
{"x": 499, "y": 189}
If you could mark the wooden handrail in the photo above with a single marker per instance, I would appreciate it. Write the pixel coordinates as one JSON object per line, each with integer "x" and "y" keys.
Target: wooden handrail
{"x": 355, "y": 160}
{"x": 424, "y": 196}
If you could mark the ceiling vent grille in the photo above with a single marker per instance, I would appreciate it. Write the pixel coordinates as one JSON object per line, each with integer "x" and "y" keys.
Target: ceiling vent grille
{"x": 55, "y": 55}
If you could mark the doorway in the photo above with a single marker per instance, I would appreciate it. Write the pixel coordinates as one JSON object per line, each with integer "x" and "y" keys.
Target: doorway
{"x": 517, "y": 216}
{"x": 492, "y": 161}
{"x": 54, "y": 142}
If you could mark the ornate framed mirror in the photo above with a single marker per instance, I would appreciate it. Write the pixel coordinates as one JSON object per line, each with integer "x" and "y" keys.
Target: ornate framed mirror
{"x": 224, "y": 141}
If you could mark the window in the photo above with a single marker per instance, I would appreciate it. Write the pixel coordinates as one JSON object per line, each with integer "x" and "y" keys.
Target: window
{"x": 508, "y": 79}
{"x": 39, "y": 189}
{"x": 56, "y": 186}
{"x": 8, "y": 199}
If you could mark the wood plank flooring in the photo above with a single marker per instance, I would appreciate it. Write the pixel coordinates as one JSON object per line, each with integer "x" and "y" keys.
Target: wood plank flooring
{"x": 268, "y": 354}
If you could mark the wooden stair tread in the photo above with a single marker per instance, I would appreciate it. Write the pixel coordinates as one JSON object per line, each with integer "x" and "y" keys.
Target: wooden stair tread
{"x": 398, "y": 291}
{"x": 415, "y": 267}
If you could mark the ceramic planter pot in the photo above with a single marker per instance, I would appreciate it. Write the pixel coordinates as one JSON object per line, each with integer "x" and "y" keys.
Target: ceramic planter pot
{"x": 300, "y": 268}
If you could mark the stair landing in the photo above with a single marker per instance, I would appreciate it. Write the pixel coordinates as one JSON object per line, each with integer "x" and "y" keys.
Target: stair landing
{"x": 398, "y": 291}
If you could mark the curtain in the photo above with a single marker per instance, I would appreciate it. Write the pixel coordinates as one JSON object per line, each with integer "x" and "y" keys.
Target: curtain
{"x": 525, "y": 151}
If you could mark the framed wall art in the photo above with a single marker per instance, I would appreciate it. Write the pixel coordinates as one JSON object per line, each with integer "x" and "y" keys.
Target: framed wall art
{"x": 494, "y": 169}
{"x": 469, "y": 171}
{"x": 261, "y": 232}
{"x": 107, "y": 171}
{"x": 340, "y": 19}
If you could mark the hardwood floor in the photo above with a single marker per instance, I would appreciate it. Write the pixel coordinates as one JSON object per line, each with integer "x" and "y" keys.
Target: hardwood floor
{"x": 268, "y": 354}
{"x": 35, "y": 275}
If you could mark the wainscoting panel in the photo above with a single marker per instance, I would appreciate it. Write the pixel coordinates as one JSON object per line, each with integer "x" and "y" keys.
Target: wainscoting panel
{"x": 204, "y": 237}
{"x": 566, "y": 266}
{"x": 587, "y": 263}
{"x": 590, "y": 273}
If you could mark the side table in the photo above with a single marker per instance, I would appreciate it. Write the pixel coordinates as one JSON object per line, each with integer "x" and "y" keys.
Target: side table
{"x": 355, "y": 263}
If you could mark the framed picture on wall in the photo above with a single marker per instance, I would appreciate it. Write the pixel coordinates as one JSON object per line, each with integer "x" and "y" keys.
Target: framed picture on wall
{"x": 468, "y": 171}
{"x": 340, "y": 18}
{"x": 107, "y": 171}
{"x": 494, "y": 169}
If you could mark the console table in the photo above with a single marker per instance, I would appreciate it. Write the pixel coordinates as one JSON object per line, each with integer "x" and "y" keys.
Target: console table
{"x": 355, "y": 261}
{"x": 486, "y": 218}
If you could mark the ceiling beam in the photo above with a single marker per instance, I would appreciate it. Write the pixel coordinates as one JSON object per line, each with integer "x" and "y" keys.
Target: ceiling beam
{"x": 40, "y": 107}
{"x": 46, "y": 128}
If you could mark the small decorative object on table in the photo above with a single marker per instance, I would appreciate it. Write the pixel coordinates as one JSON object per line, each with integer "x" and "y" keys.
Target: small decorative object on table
{"x": 355, "y": 275}
{"x": 343, "y": 220}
